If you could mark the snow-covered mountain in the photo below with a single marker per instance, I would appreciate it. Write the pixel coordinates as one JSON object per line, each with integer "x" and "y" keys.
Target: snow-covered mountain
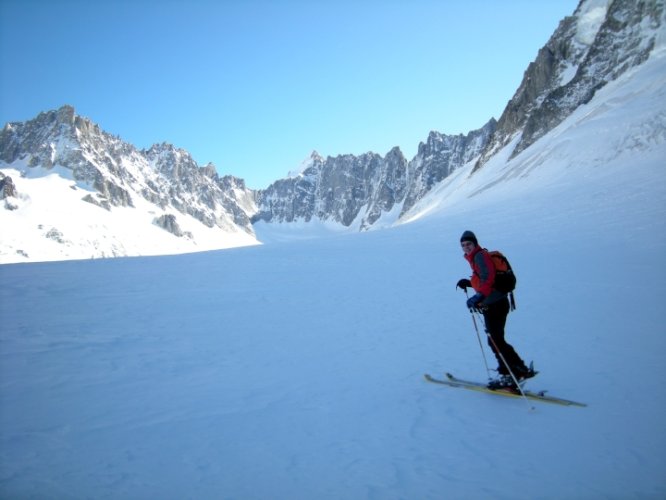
{"x": 160, "y": 201}
{"x": 598, "y": 43}
{"x": 75, "y": 191}
{"x": 342, "y": 189}
{"x": 358, "y": 191}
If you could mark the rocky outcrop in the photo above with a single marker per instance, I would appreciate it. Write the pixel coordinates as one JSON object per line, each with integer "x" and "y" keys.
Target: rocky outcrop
{"x": 197, "y": 191}
{"x": 168, "y": 223}
{"x": 8, "y": 192}
{"x": 440, "y": 156}
{"x": 7, "y": 187}
{"x": 601, "y": 41}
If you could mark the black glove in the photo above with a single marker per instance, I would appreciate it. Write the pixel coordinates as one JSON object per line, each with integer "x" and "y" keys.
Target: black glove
{"x": 464, "y": 284}
{"x": 473, "y": 303}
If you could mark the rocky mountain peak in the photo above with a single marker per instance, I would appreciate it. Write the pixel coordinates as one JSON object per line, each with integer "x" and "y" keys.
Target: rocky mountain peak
{"x": 66, "y": 114}
{"x": 119, "y": 173}
{"x": 602, "y": 40}
{"x": 337, "y": 188}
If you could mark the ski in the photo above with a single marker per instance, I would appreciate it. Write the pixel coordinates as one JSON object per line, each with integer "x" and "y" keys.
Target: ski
{"x": 452, "y": 381}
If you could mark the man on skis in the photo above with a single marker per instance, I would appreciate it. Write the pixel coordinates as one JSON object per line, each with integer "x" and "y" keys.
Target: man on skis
{"x": 494, "y": 305}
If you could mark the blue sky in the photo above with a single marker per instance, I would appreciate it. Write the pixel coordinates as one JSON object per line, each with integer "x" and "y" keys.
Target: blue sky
{"x": 255, "y": 86}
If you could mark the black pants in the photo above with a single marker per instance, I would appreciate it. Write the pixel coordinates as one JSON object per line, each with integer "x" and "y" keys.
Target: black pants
{"x": 495, "y": 319}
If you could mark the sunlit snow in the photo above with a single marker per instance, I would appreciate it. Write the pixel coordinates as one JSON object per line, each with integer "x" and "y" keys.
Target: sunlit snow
{"x": 295, "y": 369}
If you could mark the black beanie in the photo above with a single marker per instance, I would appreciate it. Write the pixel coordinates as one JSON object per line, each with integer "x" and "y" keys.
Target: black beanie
{"x": 469, "y": 236}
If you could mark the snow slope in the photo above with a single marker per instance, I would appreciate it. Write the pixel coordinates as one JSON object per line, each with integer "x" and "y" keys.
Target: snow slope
{"x": 295, "y": 369}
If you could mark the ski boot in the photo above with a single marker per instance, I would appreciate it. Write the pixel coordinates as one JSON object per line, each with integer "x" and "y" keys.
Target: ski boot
{"x": 524, "y": 374}
{"x": 503, "y": 383}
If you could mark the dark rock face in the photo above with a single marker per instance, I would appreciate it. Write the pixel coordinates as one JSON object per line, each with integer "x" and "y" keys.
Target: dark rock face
{"x": 169, "y": 223}
{"x": 351, "y": 188}
{"x": 589, "y": 49}
{"x": 7, "y": 187}
{"x": 440, "y": 156}
{"x": 340, "y": 189}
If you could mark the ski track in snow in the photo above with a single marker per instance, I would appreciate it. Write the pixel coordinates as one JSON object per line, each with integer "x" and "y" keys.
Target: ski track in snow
{"x": 295, "y": 369}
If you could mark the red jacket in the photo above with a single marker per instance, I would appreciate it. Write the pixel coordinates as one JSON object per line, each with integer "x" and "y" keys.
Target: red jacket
{"x": 483, "y": 271}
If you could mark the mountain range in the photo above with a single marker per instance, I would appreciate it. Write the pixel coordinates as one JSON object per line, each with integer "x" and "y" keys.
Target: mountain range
{"x": 159, "y": 200}
{"x": 295, "y": 369}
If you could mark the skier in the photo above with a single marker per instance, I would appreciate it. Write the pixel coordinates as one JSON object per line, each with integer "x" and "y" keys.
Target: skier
{"x": 494, "y": 306}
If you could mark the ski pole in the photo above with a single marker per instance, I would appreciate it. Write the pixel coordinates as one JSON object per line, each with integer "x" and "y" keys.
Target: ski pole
{"x": 478, "y": 336}
{"x": 501, "y": 356}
